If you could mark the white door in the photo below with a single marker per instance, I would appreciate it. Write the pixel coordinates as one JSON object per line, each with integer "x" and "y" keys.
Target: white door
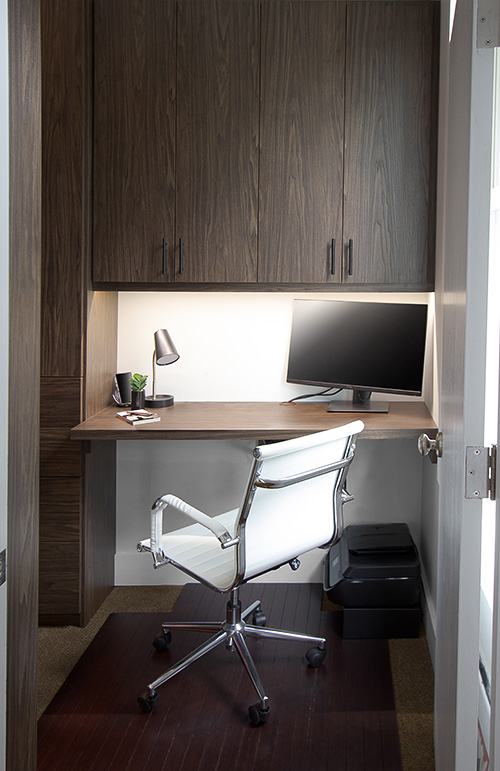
{"x": 461, "y": 292}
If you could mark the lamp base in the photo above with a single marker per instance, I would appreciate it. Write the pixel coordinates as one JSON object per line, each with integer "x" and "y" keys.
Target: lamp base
{"x": 160, "y": 400}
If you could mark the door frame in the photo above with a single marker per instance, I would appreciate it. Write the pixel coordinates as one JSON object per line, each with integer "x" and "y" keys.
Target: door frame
{"x": 4, "y": 345}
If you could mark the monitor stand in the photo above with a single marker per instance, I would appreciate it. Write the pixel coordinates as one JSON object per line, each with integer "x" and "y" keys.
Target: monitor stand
{"x": 350, "y": 407}
{"x": 361, "y": 402}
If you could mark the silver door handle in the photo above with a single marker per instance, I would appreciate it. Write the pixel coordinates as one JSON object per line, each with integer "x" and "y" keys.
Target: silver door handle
{"x": 427, "y": 445}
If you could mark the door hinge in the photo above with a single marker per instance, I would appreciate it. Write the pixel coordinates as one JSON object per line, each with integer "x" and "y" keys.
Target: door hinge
{"x": 480, "y": 472}
{"x": 488, "y": 24}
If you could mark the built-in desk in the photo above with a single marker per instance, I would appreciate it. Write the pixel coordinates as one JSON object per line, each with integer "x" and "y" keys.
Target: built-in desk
{"x": 256, "y": 420}
{"x": 204, "y": 420}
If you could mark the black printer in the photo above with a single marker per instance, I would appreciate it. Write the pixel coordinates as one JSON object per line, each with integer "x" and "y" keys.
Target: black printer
{"x": 374, "y": 573}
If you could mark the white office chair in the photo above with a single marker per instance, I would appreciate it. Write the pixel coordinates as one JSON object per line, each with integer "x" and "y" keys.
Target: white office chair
{"x": 292, "y": 504}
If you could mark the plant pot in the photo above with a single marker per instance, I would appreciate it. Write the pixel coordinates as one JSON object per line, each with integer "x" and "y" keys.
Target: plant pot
{"x": 137, "y": 402}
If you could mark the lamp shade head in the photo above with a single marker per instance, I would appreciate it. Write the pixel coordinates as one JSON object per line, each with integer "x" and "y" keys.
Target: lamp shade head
{"x": 165, "y": 350}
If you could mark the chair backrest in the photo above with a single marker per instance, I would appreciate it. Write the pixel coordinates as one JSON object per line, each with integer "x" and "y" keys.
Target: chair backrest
{"x": 293, "y": 500}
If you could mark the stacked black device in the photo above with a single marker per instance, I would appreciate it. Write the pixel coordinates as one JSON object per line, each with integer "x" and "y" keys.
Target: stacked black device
{"x": 374, "y": 573}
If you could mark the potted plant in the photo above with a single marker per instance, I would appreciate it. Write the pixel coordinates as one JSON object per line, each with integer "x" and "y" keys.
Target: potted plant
{"x": 137, "y": 385}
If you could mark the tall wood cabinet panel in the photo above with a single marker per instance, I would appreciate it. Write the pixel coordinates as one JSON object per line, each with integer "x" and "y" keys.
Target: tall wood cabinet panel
{"x": 217, "y": 136}
{"x": 76, "y": 567}
{"x": 134, "y": 138}
{"x": 301, "y": 139}
{"x": 176, "y": 120}
{"x": 389, "y": 159}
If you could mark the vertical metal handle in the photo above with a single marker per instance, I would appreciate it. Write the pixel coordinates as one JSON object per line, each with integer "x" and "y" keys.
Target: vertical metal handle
{"x": 164, "y": 263}
{"x": 181, "y": 257}
{"x": 349, "y": 262}
{"x": 332, "y": 256}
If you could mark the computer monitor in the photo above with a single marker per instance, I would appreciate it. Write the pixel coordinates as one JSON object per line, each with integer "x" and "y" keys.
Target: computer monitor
{"x": 362, "y": 346}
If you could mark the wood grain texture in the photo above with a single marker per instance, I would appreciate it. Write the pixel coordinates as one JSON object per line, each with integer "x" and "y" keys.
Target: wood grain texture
{"x": 134, "y": 134}
{"x": 59, "y": 578}
{"x": 254, "y": 420}
{"x": 60, "y": 503}
{"x": 344, "y": 148}
{"x": 99, "y": 527}
{"x": 58, "y": 455}
{"x": 263, "y": 287}
{"x": 301, "y": 137}
{"x": 79, "y": 329}
{"x": 217, "y": 136}
{"x": 60, "y": 399}
{"x": 101, "y": 339}
{"x": 63, "y": 146}
{"x": 338, "y": 716}
{"x": 24, "y": 375}
{"x": 61, "y": 559}
{"x": 390, "y": 141}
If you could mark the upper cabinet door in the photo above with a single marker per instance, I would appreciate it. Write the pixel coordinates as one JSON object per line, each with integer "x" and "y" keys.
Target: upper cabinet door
{"x": 302, "y": 140}
{"x": 389, "y": 143}
{"x": 217, "y": 141}
{"x": 134, "y": 131}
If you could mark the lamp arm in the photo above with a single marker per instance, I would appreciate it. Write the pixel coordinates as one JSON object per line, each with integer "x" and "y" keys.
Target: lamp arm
{"x": 154, "y": 376}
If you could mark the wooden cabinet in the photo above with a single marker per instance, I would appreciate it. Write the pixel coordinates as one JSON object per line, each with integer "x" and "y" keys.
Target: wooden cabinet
{"x": 390, "y": 134}
{"x": 179, "y": 77}
{"x": 134, "y": 140}
{"x": 264, "y": 144}
{"x": 347, "y": 154}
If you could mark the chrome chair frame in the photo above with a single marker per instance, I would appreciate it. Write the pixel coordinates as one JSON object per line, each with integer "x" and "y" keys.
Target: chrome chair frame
{"x": 232, "y": 632}
{"x": 234, "y": 629}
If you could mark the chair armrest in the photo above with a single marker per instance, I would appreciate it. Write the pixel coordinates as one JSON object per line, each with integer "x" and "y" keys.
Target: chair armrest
{"x": 225, "y": 538}
{"x": 276, "y": 484}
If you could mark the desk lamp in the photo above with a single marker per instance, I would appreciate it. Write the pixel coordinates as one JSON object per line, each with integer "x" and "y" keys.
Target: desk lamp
{"x": 165, "y": 352}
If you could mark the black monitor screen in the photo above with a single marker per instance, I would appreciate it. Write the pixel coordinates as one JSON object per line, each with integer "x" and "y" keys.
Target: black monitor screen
{"x": 364, "y": 346}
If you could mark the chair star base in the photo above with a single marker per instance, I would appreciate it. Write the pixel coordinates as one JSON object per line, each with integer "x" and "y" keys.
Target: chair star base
{"x": 232, "y": 632}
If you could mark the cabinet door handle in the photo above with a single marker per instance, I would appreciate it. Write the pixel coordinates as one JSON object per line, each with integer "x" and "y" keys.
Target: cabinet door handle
{"x": 164, "y": 263}
{"x": 349, "y": 262}
{"x": 332, "y": 263}
{"x": 181, "y": 257}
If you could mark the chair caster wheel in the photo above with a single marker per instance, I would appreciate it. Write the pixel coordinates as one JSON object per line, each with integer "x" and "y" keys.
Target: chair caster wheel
{"x": 147, "y": 701}
{"x": 163, "y": 640}
{"x": 257, "y": 714}
{"x": 259, "y": 618}
{"x": 315, "y": 656}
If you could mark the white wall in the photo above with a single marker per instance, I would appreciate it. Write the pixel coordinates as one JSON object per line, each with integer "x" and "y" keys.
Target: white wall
{"x": 233, "y": 346}
{"x": 4, "y": 360}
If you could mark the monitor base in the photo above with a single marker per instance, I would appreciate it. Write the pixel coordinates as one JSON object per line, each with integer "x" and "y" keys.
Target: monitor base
{"x": 339, "y": 406}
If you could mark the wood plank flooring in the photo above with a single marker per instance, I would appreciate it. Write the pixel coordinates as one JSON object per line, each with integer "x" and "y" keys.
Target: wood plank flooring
{"x": 340, "y": 716}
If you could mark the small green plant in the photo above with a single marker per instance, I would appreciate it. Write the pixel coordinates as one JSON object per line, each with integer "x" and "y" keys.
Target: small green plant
{"x": 138, "y": 382}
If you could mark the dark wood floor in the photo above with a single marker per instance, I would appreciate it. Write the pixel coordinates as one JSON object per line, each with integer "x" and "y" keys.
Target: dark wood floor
{"x": 340, "y": 716}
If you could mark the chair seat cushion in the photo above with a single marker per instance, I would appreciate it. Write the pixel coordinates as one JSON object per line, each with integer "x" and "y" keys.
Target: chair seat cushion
{"x": 199, "y": 551}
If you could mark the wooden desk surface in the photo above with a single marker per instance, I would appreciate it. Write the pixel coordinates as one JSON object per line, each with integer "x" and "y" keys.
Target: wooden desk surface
{"x": 256, "y": 420}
